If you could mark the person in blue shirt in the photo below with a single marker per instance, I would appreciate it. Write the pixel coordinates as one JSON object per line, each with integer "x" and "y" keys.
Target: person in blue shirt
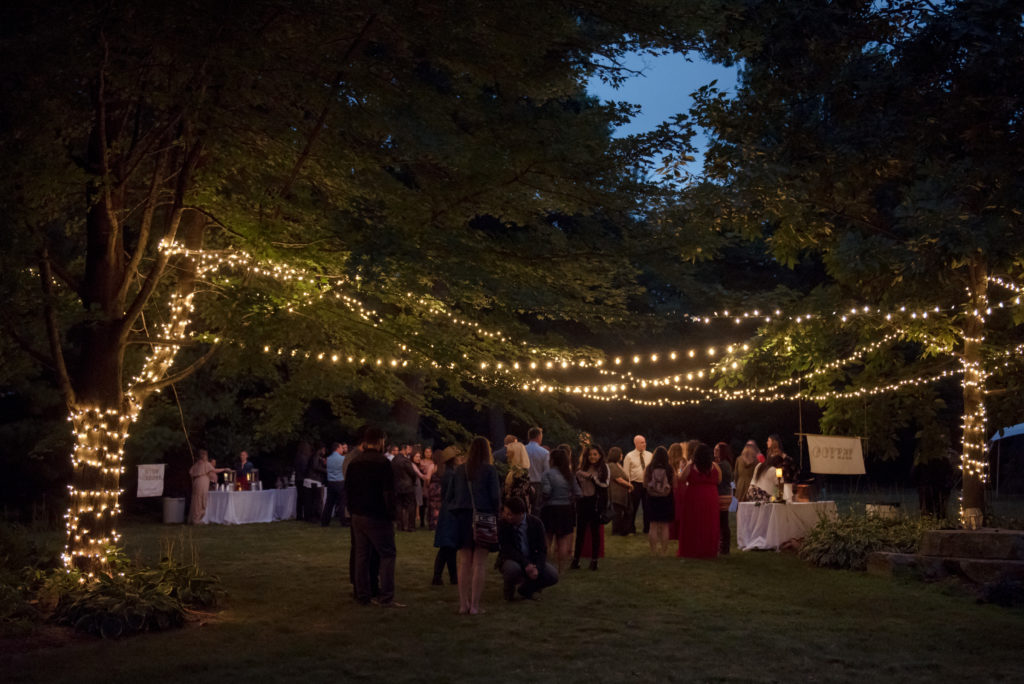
{"x": 335, "y": 486}
{"x": 540, "y": 461}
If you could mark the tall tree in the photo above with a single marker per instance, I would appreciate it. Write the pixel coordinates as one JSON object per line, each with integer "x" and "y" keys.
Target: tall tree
{"x": 884, "y": 137}
{"x": 418, "y": 157}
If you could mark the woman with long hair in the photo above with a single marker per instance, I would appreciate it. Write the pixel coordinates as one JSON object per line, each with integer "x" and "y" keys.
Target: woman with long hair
{"x": 517, "y": 482}
{"x": 723, "y": 457}
{"x": 699, "y": 535}
{"x": 745, "y": 465}
{"x": 445, "y": 537}
{"x": 593, "y": 478}
{"x": 558, "y": 490}
{"x": 475, "y": 489}
{"x": 764, "y": 484}
{"x": 659, "y": 484}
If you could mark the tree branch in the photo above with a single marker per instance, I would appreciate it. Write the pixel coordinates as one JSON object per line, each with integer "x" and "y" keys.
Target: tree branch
{"x": 27, "y": 347}
{"x": 144, "y": 227}
{"x": 65, "y": 277}
{"x": 322, "y": 119}
{"x": 160, "y": 263}
{"x": 104, "y": 151}
{"x": 148, "y": 388}
{"x": 53, "y": 331}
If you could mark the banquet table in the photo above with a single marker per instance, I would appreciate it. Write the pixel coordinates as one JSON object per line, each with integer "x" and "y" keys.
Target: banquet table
{"x": 240, "y": 508}
{"x": 768, "y": 525}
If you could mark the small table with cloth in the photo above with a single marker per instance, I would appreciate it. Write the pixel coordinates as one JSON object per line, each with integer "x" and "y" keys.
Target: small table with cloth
{"x": 254, "y": 506}
{"x": 769, "y": 525}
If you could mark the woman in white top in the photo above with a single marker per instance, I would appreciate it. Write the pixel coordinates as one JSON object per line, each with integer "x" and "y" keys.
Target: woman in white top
{"x": 764, "y": 484}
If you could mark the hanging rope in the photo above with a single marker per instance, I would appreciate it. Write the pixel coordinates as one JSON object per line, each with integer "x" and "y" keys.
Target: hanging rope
{"x": 177, "y": 400}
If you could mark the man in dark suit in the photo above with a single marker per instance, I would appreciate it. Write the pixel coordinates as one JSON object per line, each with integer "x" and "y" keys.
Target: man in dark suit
{"x": 522, "y": 552}
{"x": 405, "y": 489}
{"x": 501, "y": 455}
{"x": 370, "y": 488}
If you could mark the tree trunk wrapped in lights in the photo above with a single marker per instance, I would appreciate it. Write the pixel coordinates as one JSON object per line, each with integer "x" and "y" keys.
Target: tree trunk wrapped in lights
{"x": 974, "y": 463}
{"x": 93, "y": 494}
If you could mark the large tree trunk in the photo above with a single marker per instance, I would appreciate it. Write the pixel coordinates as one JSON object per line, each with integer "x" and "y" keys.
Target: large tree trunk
{"x": 104, "y": 407}
{"x": 100, "y": 434}
{"x": 975, "y": 464}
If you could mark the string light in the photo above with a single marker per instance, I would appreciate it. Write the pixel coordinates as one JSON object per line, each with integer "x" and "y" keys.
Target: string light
{"x": 100, "y": 434}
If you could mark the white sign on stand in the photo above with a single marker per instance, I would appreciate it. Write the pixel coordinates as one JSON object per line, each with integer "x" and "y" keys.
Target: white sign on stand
{"x": 151, "y": 480}
{"x": 835, "y": 455}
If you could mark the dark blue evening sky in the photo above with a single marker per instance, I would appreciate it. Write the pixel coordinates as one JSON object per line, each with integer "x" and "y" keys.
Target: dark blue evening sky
{"x": 664, "y": 87}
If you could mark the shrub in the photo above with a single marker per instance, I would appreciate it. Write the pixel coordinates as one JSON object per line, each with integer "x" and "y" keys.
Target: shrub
{"x": 20, "y": 560}
{"x": 129, "y": 597}
{"x": 846, "y": 541}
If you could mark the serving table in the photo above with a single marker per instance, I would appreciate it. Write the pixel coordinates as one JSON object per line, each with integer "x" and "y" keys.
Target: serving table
{"x": 243, "y": 507}
{"x": 768, "y": 525}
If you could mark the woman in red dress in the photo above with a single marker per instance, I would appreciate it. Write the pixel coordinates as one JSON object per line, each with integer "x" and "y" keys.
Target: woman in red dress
{"x": 699, "y": 532}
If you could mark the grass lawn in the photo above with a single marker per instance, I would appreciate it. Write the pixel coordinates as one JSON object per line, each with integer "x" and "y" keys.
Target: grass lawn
{"x": 759, "y": 616}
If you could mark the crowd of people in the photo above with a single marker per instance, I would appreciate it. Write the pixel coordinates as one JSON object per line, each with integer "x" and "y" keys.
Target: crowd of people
{"x": 543, "y": 510}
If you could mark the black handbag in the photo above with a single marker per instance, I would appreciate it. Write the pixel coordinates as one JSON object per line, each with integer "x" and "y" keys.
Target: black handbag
{"x": 485, "y": 525}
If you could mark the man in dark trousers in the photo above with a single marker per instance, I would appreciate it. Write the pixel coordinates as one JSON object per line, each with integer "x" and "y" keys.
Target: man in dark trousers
{"x": 303, "y": 497}
{"x": 336, "y": 503}
{"x": 405, "y": 488}
{"x": 370, "y": 486}
{"x": 522, "y": 552}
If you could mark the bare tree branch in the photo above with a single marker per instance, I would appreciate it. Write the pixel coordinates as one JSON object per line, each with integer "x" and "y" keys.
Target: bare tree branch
{"x": 160, "y": 263}
{"x": 332, "y": 98}
{"x": 144, "y": 227}
{"x": 53, "y": 331}
{"x": 147, "y": 388}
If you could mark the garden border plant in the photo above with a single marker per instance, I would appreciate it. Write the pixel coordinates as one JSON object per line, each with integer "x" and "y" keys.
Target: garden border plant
{"x": 128, "y": 598}
{"x": 845, "y": 541}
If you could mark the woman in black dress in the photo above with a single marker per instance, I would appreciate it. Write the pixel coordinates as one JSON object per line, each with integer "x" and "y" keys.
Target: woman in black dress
{"x": 659, "y": 481}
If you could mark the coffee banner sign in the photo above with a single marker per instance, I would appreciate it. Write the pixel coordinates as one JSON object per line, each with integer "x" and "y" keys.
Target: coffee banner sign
{"x": 835, "y": 455}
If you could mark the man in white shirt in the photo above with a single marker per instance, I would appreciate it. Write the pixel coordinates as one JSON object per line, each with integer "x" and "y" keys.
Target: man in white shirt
{"x": 634, "y": 464}
{"x": 540, "y": 461}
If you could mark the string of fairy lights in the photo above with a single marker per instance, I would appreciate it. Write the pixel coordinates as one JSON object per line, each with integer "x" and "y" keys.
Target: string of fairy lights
{"x": 629, "y": 380}
{"x": 100, "y": 434}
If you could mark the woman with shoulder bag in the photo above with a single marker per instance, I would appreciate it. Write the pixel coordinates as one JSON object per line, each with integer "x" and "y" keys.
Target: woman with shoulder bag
{"x": 475, "y": 500}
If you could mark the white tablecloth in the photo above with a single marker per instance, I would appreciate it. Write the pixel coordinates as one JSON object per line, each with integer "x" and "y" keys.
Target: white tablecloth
{"x": 766, "y": 526}
{"x": 239, "y": 508}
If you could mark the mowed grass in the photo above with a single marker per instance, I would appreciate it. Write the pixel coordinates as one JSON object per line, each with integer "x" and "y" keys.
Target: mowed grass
{"x": 758, "y": 616}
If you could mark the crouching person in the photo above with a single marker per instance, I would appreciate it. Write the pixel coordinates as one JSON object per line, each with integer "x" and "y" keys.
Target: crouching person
{"x": 522, "y": 552}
